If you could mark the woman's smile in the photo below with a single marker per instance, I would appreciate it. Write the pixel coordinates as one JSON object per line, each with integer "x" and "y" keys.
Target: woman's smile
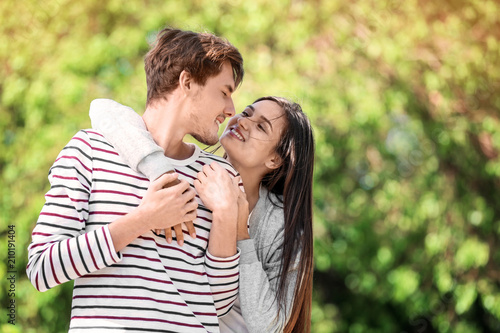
{"x": 236, "y": 133}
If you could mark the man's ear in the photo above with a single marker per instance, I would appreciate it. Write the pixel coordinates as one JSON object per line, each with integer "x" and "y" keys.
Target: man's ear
{"x": 185, "y": 81}
{"x": 274, "y": 162}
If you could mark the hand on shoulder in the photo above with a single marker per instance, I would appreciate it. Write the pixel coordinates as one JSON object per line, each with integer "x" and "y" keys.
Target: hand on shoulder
{"x": 216, "y": 188}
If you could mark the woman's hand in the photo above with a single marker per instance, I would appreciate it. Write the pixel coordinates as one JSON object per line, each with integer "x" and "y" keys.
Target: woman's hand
{"x": 216, "y": 188}
{"x": 243, "y": 213}
{"x": 219, "y": 193}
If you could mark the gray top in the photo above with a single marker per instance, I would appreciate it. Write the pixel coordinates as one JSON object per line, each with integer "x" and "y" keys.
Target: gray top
{"x": 126, "y": 131}
{"x": 260, "y": 255}
{"x": 260, "y": 263}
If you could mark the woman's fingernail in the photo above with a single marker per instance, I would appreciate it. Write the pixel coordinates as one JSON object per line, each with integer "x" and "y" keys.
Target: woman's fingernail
{"x": 169, "y": 240}
{"x": 181, "y": 242}
{"x": 193, "y": 235}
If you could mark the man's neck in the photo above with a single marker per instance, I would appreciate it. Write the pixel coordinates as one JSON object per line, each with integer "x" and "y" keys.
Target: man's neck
{"x": 164, "y": 121}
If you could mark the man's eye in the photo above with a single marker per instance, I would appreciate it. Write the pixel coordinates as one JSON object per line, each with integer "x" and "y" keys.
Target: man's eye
{"x": 261, "y": 127}
{"x": 224, "y": 93}
{"x": 245, "y": 114}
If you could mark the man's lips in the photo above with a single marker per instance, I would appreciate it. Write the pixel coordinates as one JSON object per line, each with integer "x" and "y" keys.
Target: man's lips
{"x": 219, "y": 120}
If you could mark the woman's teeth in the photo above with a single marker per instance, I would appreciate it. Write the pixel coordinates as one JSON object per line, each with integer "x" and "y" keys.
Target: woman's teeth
{"x": 238, "y": 135}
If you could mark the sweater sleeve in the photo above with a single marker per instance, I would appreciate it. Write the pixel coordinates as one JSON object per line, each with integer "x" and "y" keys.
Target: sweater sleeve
{"x": 126, "y": 131}
{"x": 259, "y": 282}
{"x": 223, "y": 273}
{"x": 223, "y": 277}
{"x": 62, "y": 249}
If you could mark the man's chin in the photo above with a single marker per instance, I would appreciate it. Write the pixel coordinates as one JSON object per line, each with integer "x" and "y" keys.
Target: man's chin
{"x": 205, "y": 140}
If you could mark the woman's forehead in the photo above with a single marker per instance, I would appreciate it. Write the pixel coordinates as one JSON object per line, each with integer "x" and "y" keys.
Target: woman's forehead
{"x": 269, "y": 109}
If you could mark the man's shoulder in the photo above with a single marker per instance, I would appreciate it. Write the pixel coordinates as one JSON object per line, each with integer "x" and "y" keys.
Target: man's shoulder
{"x": 88, "y": 135}
{"x": 91, "y": 142}
{"x": 93, "y": 134}
{"x": 92, "y": 138}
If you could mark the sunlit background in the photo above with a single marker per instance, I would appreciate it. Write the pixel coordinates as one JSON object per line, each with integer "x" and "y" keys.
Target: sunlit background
{"x": 404, "y": 97}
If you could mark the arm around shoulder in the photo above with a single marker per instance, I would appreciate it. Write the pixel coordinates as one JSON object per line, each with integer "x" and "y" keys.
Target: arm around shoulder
{"x": 126, "y": 131}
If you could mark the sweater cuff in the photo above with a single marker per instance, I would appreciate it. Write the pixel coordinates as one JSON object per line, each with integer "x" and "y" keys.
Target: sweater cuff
{"x": 109, "y": 250}
{"x": 223, "y": 263}
{"x": 248, "y": 253}
{"x": 154, "y": 165}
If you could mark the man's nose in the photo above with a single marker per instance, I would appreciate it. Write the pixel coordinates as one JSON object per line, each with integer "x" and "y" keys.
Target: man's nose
{"x": 229, "y": 110}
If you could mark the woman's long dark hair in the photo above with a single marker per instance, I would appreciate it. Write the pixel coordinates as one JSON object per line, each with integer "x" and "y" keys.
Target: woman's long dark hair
{"x": 292, "y": 182}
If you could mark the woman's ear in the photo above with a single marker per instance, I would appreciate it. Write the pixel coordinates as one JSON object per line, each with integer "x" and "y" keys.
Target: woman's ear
{"x": 274, "y": 162}
{"x": 185, "y": 81}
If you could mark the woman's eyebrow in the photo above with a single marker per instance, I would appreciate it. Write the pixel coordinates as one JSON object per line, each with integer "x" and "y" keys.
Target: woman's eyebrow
{"x": 267, "y": 121}
{"x": 261, "y": 116}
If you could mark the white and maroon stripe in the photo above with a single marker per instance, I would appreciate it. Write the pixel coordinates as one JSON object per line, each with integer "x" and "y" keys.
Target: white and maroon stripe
{"x": 151, "y": 285}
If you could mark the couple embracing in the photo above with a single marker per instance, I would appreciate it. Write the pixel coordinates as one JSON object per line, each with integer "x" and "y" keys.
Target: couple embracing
{"x": 160, "y": 236}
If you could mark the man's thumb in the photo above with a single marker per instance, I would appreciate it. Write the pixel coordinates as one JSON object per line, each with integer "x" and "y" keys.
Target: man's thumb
{"x": 166, "y": 179}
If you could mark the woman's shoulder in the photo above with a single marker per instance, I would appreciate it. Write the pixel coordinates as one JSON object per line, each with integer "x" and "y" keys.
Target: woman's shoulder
{"x": 269, "y": 211}
{"x": 268, "y": 224}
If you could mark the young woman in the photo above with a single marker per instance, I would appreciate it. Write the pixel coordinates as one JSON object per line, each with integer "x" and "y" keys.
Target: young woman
{"x": 271, "y": 145}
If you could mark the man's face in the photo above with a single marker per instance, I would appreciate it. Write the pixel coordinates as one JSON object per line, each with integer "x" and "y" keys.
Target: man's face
{"x": 211, "y": 105}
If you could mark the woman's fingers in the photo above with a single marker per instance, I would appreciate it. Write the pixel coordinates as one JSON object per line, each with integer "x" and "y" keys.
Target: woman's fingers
{"x": 191, "y": 229}
{"x": 179, "y": 234}
{"x": 168, "y": 235}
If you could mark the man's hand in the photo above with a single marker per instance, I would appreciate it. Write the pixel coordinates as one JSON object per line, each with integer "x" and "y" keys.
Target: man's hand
{"x": 163, "y": 207}
{"x": 178, "y": 227}
{"x": 160, "y": 208}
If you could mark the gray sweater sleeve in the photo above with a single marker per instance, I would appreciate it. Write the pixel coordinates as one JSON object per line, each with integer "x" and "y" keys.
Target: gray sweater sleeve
{"x": 126, "y": 131}
{"x": 260, "y": 263}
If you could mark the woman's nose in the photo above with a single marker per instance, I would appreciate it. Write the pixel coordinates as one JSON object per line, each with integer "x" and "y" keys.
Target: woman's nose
{"x": 243, "y": 122}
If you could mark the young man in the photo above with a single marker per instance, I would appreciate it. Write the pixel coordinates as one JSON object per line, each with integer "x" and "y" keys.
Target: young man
{"x": 95, "y": 227}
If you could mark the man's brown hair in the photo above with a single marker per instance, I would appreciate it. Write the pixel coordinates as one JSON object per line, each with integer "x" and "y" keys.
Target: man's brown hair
{"x": 200, "y": 54}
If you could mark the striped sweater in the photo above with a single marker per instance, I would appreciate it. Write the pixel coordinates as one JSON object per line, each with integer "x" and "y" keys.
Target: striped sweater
{"x": 149, "y": 286}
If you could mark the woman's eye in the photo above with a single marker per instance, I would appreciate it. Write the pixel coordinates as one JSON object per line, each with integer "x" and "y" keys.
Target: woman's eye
{"x": 224, "y": 93}
{"x": 245, "y": 114}
{"x": 261, "y": 127}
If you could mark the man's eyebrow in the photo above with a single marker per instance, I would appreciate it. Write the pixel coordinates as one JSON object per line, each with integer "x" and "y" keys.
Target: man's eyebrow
{"x": 230, "y": 88}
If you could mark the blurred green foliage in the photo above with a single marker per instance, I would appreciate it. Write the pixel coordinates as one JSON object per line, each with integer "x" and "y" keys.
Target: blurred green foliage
{"x": 404, "y": 97}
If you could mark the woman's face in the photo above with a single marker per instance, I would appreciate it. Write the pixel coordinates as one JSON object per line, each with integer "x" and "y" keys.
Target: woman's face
{"x": 251, "y": 136}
